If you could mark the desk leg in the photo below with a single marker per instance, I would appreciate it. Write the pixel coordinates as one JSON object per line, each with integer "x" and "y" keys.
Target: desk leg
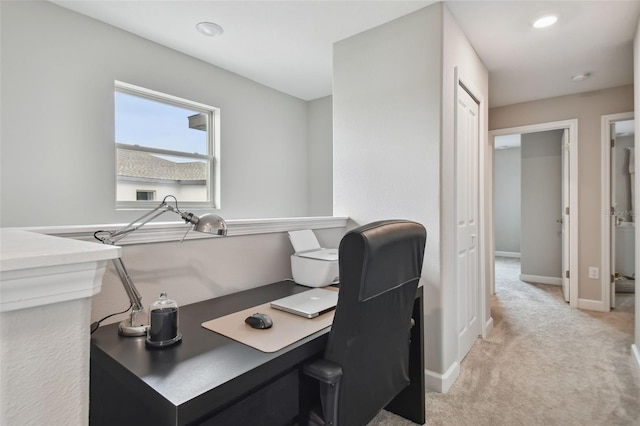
{"x": 410, "y": 403}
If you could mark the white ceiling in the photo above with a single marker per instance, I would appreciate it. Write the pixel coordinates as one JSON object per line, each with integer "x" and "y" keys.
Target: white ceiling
{"x": 287, "y": 45}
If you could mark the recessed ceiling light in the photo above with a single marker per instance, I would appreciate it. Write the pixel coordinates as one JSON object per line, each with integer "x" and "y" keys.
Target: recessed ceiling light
{"x": 209, "y": 29}
{"x": 545, "y": 21}
{"x": 581, "y": 77}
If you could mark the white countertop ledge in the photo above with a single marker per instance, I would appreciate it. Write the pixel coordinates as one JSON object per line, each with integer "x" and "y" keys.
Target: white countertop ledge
{"x": 25, "y": 250}
{"x": 37, "y": 269}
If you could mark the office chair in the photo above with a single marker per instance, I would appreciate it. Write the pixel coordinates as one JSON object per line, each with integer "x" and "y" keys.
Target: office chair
{"x": 365, "y": 364}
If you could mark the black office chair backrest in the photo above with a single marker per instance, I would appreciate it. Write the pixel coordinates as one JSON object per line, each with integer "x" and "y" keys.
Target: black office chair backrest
{"x": 380, "y": 266}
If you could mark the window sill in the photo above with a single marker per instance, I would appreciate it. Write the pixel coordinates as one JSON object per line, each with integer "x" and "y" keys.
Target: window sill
{"x": 156, "y": 232}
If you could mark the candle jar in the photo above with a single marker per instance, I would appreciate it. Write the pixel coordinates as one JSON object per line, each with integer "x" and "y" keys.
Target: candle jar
{"x": 163, "y": 323}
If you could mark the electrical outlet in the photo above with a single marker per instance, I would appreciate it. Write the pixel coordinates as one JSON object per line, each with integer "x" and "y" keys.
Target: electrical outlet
{"x": 594, "y": 272}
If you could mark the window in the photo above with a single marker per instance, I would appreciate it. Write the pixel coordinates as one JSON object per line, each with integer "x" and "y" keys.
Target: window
{"x": 145, "y": 195}
{"x": 165, "y": 145}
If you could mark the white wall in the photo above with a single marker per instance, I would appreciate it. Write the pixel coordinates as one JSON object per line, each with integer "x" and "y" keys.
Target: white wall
{"x": 393, "y": 148}
{"x": 44, "y": 360}
{"x": 386, "y": 123}
{"x": 506, "y": 203}
{"x": 541, "y": 204}
{"x": 57, "y": 80}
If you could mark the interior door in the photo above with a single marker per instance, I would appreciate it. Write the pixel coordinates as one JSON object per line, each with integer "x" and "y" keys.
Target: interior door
{"x": 565, "y": 216}
{"x": 467, "y": 277}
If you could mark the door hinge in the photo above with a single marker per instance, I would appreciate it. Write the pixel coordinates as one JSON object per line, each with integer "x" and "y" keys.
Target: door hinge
{"x": 613, "y": 143}
{"x": 567, "y": 274}
{"x": 566, "y": 211}
{"x": 612, "y": 211}
{"x": 613, "y": 278}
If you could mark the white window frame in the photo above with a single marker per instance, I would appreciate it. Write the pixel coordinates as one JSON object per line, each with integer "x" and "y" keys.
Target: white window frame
{"x": 213, "y": 148}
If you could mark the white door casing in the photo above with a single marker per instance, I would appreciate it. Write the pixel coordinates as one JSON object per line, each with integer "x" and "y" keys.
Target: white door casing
{"x": 565, "y": 218}
{"x": 571, "y": 228}
{"x": 607, "y": 226}
{"x": 613, "y": 218}
{"x": 467, "y": 248}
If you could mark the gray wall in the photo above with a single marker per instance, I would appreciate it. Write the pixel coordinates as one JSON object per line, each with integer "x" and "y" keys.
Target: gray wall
{"x": 587, "y": 108}
{"x": 506, "y": 202}
{"x": 541, "y": 204}
{"x": 57, "y": 80}
{"x": 320, "y": 157}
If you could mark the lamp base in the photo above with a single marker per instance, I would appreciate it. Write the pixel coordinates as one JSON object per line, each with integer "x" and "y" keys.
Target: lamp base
{"x": 126, "y": 329}
{"x": 136, "y": 325}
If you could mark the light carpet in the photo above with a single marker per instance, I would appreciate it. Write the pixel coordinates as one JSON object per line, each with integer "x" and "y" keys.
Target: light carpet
{"x": 544, "y": 363}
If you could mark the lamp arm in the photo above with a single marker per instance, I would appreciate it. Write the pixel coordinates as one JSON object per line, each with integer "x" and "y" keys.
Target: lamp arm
{"x": 138, "y": 223}
{"x": 129, "y": 287}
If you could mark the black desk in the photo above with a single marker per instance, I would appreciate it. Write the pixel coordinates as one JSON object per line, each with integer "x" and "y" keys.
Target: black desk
{"x": 209, "y": 379}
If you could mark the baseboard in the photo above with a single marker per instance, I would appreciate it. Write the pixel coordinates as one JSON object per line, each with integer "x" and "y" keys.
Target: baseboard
{"x": 635, "y": 353}
{"x": 540, "y": 279}
{"x": 488, "y": 326}
{"x": 591, "y": 305}
{"x": 508, "y": 254}
{"x": 441, "y": 382}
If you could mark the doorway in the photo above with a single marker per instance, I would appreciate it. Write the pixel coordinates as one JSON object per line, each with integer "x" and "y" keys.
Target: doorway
{"x": 568, "y": 218}
{"x": 529, "y": 204}
{"x": 618, "y": 226}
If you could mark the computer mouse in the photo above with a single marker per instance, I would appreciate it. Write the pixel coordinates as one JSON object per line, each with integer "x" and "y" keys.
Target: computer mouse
{"x": 259, "y": 321}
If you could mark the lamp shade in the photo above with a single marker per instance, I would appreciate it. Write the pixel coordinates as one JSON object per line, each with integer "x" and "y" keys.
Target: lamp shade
{"x": 211, "y": 224}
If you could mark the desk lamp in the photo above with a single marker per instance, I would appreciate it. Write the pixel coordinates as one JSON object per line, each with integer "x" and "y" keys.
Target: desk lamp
{"x": 138, "y": 322}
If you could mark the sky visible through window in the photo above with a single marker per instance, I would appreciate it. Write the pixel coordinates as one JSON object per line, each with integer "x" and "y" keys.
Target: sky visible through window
{"x": 148, "y": 123}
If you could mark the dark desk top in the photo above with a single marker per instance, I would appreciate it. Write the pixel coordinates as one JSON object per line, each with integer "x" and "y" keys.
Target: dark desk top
{"x": 206, "y": 370}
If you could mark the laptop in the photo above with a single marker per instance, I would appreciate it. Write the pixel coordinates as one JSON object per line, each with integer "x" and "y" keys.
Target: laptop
{"x": 309, "y": 304}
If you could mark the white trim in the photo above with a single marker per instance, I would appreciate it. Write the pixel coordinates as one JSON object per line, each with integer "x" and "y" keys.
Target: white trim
{"x": 593, "y": 305}
{"x": 437, "y": 382}
{"x": 605, "y": 197}
{"x": 508, "y": 254}
{"x": 488, "y": 327}
{"x": 572, "y": 125}
{"x": 635, "y": 354}
{"x": 144, "y": 92}
{"x": 175, "y": 231}
{"x": 37, "y": 270}
{"x": 539, "y": 279}
{"x": 29, "y": 288}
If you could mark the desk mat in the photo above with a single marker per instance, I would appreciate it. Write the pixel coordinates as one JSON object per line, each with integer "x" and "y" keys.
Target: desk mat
{"x": 287, "y": 328}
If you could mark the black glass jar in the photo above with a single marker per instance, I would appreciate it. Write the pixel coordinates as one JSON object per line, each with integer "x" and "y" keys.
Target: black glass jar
{"x": 163, "y": 323}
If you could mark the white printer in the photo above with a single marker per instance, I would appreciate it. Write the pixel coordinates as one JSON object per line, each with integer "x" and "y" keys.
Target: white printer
{"x": 312, "y": 265}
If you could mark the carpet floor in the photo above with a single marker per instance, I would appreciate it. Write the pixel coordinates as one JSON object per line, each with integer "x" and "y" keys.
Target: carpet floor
{"x": 543, "y": 363}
